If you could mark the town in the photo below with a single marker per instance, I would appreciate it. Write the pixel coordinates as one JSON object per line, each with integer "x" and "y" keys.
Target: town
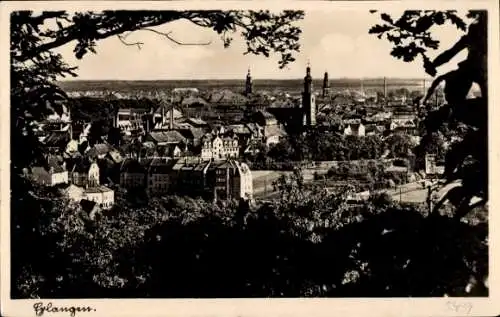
{"x": 320, "y": 154}
{"x": 225, "y": 144}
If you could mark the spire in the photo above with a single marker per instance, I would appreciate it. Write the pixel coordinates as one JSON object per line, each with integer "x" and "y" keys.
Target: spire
{"x": 326, "y": 84}
{"x": 249, "y": 84}
{"x": 308, "y": 72}
{"x": 308, "y": 80}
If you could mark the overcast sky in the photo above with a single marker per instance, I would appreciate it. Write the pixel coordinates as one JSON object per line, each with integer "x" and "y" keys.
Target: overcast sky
{"x": 333, "y": 41}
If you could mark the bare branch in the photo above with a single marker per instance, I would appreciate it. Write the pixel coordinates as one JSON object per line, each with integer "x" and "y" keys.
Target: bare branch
{"x": 122, "y": 39}
{"x": 169, "y": 37}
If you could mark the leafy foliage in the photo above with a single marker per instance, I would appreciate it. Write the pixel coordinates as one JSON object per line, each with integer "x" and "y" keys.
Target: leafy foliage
{"x": 307, "y": 243}
{"x": 463, "y": 121}
{"x": 411, "y": 33}
{"x": 331, "y": 146}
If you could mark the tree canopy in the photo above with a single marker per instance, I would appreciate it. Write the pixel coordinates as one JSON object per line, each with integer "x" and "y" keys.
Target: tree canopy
{"x": 467, "y": 156}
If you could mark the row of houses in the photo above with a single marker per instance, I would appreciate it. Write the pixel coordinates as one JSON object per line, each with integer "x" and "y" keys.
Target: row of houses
{"x": 356, "y": 127}
{"x": 214, "y": 179}
{"x": 79, "y": 180}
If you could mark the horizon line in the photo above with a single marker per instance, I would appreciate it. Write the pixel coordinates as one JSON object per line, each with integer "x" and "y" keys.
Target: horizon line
{"x": 254, "y": 79}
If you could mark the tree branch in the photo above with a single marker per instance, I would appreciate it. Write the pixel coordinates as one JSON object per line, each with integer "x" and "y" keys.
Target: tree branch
{"x": 122, "y": 39}
{"x": 169, "y": 37}
{"x": 99, "y": 36}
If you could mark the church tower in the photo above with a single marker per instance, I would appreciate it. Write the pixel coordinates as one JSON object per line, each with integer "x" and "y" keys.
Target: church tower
{"x": 249, "y": 84}
{"x": 308, "y": 102}
{"x": 326, "y": 85}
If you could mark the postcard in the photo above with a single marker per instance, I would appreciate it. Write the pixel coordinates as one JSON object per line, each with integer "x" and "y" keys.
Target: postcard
{"x": 243, "y": 158}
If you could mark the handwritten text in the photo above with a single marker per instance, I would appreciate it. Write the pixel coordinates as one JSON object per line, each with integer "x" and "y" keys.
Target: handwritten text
{"x": 40, "y": 309}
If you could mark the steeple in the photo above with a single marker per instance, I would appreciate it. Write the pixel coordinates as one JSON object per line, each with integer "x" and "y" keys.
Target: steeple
{"x": 308, "y": 80}
{"x": 308, "y": 101}
{"x": 249, "y": 84}
{"x": 326, "y": 85}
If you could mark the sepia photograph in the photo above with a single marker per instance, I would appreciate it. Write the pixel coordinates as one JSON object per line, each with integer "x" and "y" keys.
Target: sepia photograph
{"x": 246, "y": 151}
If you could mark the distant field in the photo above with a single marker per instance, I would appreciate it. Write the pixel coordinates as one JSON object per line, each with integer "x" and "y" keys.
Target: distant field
{"x": 263, "y": 181}
{"x": 233, "y": 84}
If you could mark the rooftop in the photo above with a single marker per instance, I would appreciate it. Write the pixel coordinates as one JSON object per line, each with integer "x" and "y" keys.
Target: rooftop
{"x": 98, "y": 189}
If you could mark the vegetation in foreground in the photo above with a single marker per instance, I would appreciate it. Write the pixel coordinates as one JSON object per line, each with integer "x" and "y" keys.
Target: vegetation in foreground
{"x": 307, "y": 243}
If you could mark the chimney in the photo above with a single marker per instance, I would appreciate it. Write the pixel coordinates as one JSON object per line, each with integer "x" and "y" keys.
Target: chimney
{"x": 162, "y": 114}
{"x": 171, "y": 123}
{"x": 385, "y": 88}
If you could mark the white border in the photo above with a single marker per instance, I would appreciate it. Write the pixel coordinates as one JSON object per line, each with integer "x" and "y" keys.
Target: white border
{"x": 251, "y": 307}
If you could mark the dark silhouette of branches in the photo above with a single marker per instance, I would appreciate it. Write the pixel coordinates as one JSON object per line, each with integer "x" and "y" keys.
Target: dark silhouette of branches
{"x": 468, "y": 158}
{"x": 169, "y": 37}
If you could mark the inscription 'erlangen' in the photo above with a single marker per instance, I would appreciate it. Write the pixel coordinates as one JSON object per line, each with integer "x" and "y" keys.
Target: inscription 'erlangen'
{"x": 41, "y": 309}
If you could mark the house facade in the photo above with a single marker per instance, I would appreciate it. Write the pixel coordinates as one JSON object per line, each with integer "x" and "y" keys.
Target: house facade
{"x": 159, "y": 174}
{"x": 355, "y": 129}
{"x": 85, "y": 174}
{"x": 230, "y": 180}
{"x": 132, "y": 174}
{"x": 219, "y": 147}
{"x": 101, "y": 195}
{"x": 54, "y": 175}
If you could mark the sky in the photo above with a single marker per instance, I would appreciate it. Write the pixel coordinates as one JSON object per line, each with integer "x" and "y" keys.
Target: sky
{"x": 334, "y": 41}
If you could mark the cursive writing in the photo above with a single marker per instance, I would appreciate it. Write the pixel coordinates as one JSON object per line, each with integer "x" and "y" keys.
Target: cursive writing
{"x": 461, "y": 308}
{"x": 40, "y": 309}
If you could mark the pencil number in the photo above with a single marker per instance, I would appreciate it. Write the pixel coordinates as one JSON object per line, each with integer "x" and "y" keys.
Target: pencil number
{"x": 461, "y": 308}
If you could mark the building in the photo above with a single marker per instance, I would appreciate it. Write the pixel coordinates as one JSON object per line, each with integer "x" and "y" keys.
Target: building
{"x": 166, "y": 116}
{"x": 73, "y": 192}
{"x": 219, "y": 147}
{"x": 271, "y": 130}
{"x": 185, "y": 90}
{"x": 401, "y": 117}
{"x": 231, "y": 180}
{"x": 166, "y": 137}
{"x": 326, "y": 85}
{"x": 72, "y": 147}
{"x": 432, "y": 166}
{"x": 189, "y": 177}
{"x": 248, "y": 84}
{"x": 84, "y": 173}
{"x": 211, "y": 179}
{"x": 297, "y": 116}
{"x": 168, "y": 151}
{"x": 409, "y": 127}
{"x": 159, "y": 174}
{"x": 197, "y": 123}
{"x": 103, "y": 196}
{"x": 355, "y": 128}
{"x": 308, "y": 101}
{"x": 100, "y": 151}
{"x": 130, "y": 119}
{"x": 133, "y": 173}
{"x": 195, "y": 107}
{"x": 55, "y": 173}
